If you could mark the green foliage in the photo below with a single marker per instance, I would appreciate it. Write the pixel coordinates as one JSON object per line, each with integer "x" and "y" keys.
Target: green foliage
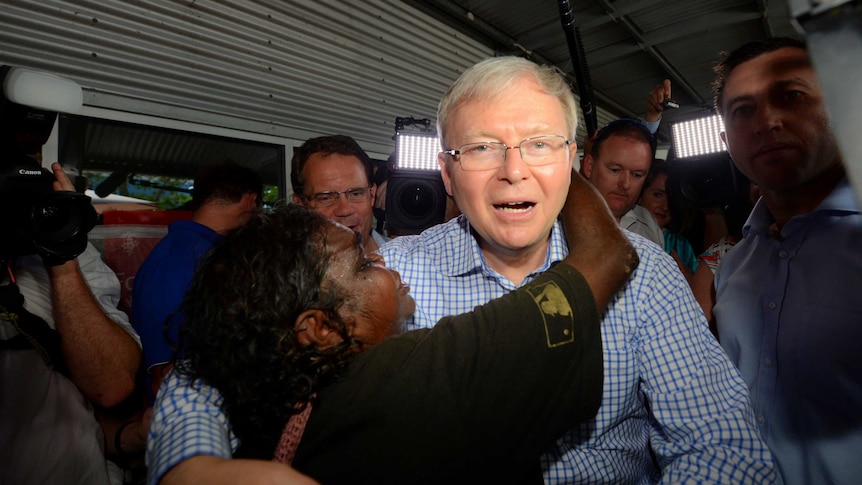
{"x": 166, "y": 192}
{"x": 270, "y": 195}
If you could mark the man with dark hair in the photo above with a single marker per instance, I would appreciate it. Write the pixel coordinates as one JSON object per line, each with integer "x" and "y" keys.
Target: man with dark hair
{"x": 226, "y": 182}
{"x": 787, "y": 296}
{"x": 617, "y": 165}
{"x": 333, "y": 176}
{"x": 224, "y": 197}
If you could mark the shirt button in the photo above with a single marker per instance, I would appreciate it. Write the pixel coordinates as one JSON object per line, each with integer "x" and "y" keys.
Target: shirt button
{"x": 772, "y": 305}
{"x": 760, "y": 420}
{"x": 767, "y": 362}
{"x": 782, "y": 254}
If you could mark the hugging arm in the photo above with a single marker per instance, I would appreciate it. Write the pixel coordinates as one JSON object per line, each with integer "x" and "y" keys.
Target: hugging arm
{"x": 597, "y": 246}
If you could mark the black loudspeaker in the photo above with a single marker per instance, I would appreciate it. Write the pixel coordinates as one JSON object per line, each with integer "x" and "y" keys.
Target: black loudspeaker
{"x": 415, "y": 201}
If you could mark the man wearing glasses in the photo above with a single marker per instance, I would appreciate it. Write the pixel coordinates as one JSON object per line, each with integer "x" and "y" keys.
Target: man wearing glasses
{"x": 332, "y": 176}
{"x": 673, "y": 408}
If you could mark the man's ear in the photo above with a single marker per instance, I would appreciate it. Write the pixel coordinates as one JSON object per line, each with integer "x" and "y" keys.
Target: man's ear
{"x": 723, "y": 136}
{"x": 373, "y": 194}
{"x": 573, "y": 152}
{"x": 250, "y": 201}
{"x": 312, "y": 328}
{"x": 588, "y": 166}
{"x": 298, "y": 200}
{"x": 444, "y": 172}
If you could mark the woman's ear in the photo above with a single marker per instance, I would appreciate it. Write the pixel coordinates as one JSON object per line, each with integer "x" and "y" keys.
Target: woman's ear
{"x": 312, "y": 328}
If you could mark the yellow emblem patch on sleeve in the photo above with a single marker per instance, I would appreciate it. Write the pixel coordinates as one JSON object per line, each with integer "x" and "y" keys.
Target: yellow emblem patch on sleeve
{"x": 557, "y": 313}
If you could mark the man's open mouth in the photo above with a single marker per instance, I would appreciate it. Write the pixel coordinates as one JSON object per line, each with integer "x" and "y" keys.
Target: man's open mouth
{"x": 515, "y": 206}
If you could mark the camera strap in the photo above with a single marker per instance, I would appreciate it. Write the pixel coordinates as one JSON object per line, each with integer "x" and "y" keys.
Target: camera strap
{"x": 33, "y": 331}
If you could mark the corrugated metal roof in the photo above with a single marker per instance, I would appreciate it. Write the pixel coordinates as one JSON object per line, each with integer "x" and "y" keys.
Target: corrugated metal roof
{"x": 283, "y": 68}
{"x": 630, "y": 45}
{"x": 302, "y": 68}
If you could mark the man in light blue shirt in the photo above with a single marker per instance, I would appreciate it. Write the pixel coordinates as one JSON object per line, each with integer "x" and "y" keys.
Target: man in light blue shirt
{"x": 673, "y": 408}
{"x": 788, "y": 306}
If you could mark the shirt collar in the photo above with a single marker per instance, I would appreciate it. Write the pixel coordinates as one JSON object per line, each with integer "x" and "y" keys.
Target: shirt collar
{"x": 466, "y": 256}
{"x": 842, "y": 200}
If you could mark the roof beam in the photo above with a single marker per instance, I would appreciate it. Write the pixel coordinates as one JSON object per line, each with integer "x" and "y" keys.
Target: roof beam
{"x": 486, "y": 32}
{"x": 634, "y": 32}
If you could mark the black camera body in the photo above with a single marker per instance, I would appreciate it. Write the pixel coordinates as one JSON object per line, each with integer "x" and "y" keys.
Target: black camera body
{"x": 34, "y": 219}
{"x": 37, "y": 220}
{"x": 415, "y": 201}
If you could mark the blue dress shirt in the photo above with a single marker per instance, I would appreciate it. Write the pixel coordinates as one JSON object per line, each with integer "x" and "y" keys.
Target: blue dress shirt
{"x": 789, "y": 314}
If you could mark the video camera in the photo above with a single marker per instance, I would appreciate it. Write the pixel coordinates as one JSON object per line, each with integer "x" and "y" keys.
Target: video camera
{"x": 415, "y": 195}
{"x": 34, "y": 218}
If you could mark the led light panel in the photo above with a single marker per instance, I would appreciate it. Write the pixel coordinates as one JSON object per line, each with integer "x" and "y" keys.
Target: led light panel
{"x": 698, "y": 137}
{"x": 416, "y": 151}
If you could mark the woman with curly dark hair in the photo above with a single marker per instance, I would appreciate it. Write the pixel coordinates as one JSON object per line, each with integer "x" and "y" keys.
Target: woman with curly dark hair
{"x": 291, "y": 323}
{"x": 241, "y": 309}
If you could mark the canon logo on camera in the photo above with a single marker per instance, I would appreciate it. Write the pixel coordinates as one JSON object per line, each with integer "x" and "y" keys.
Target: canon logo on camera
{"x": 24, "y": 171}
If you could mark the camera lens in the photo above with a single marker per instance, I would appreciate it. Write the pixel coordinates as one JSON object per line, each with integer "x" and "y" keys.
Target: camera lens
{"x": 60, "y": 221}
{"x": 55, "y": 222}
{"x": 417, "y": 201}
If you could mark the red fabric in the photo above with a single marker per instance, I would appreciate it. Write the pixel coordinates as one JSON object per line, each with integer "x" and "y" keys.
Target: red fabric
{"x": 289, "y": 442}
{"x": 144, "y": 218}
{"x": 126, "y": 238}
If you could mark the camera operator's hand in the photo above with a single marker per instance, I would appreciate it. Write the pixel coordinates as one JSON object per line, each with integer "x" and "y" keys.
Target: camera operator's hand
{"x": 59, "y": 247}
{"x": 61, "y": 184}
{"x": 62, "y": 181}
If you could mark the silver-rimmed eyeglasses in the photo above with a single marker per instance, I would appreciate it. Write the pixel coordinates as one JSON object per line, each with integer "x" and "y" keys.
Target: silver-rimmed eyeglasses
{"x": 535, "y": 151}
{"x": 354, "y": 195}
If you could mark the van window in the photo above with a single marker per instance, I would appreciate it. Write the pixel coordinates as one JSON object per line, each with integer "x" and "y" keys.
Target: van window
{"x": 156, "y": 166}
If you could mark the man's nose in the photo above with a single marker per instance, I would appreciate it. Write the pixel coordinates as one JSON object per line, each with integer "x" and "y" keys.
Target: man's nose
{"x": 342, "y": 206}
{"x": 514, "y": 168}
{"x": 625, "y": 180}
{"x": 767, "y": 118}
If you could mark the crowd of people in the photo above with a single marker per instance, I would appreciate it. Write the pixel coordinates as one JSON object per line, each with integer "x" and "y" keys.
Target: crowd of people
{"x": 561, "y": 329}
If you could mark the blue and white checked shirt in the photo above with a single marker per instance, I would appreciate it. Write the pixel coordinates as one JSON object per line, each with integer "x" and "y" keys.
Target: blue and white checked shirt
{"x": 187, "y": 421}
{"x": 667, "y": 383}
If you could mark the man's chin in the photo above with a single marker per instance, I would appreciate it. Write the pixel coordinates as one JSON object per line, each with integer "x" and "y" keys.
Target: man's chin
{"x": 619, "y": 210}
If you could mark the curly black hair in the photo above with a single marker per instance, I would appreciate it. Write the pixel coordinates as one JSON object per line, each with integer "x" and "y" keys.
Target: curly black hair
{"x": 240, "y": 312}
